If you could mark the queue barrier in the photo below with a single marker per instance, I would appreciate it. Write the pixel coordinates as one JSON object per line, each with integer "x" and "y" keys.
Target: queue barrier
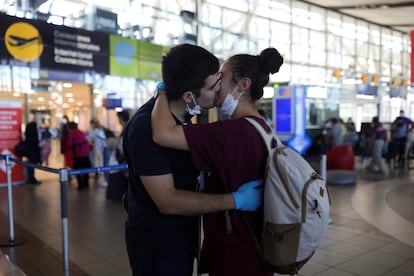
{"x": 63, "y": 180}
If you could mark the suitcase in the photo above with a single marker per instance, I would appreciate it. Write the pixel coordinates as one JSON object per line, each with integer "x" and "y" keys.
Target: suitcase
{"x": 117, "y": 185}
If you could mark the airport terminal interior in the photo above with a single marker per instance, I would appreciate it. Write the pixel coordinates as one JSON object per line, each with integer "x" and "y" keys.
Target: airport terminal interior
{"x": 372, "y": 229}
{"x": 352, "y": 59}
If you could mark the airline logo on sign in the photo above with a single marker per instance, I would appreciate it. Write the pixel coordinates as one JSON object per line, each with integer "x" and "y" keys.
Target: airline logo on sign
{"x": 23, "y": 42}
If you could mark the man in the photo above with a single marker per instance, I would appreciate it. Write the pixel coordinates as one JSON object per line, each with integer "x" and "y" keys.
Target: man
{"x": 162, "y": 223}
{"x": 32, "y": 136}
{"x": 400, "y": 130}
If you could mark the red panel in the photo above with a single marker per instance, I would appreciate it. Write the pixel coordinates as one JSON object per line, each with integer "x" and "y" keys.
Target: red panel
{"x": 412, "y": 56}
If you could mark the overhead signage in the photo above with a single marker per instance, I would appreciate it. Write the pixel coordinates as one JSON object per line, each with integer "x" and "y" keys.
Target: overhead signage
{"x": 36, "y": 43}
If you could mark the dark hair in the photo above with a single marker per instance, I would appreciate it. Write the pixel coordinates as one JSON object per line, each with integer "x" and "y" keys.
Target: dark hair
{"x": 185, "y": 68}
{"x": 261, "y": 112}
{"x": 123, "y": 115}
{"x": 72, "y": 125}
{"x": 256, "y": 68}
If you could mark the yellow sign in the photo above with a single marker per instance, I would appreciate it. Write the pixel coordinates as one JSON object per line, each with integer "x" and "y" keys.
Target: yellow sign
{"x": 23, "y": 41}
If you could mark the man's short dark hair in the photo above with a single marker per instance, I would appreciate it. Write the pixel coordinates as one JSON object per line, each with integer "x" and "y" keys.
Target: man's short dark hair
{"x": 185, "y": 68}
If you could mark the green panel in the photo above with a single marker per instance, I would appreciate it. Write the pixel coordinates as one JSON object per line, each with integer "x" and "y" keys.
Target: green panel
{"x": 149, "y": 51}
{"x": 123, "y": 57}
{"x": 149, "y": 70}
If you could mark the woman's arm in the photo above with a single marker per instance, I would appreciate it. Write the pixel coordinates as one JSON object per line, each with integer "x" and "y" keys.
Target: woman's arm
{"x": 165, "y": 131}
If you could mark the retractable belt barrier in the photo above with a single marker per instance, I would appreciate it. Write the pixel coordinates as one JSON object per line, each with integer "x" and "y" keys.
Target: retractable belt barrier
{"x": 63, "y": 179}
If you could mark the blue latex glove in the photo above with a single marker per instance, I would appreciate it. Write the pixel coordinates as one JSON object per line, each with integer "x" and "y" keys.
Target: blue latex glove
{"x": 249, "y": 196}
{"x": 160, "y": 86}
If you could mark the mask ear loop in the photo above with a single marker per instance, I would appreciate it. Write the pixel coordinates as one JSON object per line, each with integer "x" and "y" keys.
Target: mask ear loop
{"x": 235, "y": 89}
{"x": 196, "y": 109}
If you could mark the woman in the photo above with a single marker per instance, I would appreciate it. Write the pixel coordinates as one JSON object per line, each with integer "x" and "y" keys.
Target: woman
{"x": 80, "y": 147}
{"x": 229, "y": 152}
{"x": 378, "y": 137}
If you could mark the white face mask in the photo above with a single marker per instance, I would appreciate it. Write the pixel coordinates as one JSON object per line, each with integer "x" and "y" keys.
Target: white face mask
{"x": 195, "y": 110}
{"x": 230, "y": 103}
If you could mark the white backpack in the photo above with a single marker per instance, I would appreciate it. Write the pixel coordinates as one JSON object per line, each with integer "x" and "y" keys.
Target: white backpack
{"x": 296, "y": 208}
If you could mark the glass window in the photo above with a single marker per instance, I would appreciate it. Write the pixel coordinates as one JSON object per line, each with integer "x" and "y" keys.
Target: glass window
{"x": 279, "y": 33}
{"x": 334, "y": 60}
{"x": 211, "y": 15}
{"x": 333, "y": 22}
{"x": 234, "y": 21}
{"x": 300, "y": 73}
{"x": 362, "y": 31}
{"x": 396, "y": 57}
{"x": 299, "y": 54}
{"x": 347, "y": 61}
{"x": 375, "y": 34}
{"x": 276, "y": 10}
{"x": 374, "y": 52}
{"x": 259, "y": 27}
{"x": 362, "y": 48}
{"x": 317, "y": 75}
{"x": 348, "y": 46}
{"x": 317, "y": 57}
{"x": 347, "y": 110}
{"x": 362, "y": 64}
{"x": 300, "y": 37}
{"x": 348, "y": 27}
{"x": 373, "y": 66}
{"x": 317, "y": 40}
{"x": 300, "y": 14}
{"x": 241, "y": 5}
{"x": 333, "y": 43}
{"x": 317, "y": 18}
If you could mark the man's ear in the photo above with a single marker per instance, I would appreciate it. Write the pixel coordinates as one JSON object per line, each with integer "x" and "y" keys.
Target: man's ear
{"x": 187, "y": 97}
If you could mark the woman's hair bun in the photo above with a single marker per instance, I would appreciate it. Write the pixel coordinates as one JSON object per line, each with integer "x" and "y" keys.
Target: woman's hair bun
{"x": 270, "y": 60}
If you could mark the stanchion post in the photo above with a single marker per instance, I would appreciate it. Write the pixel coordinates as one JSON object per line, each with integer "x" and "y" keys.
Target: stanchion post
{"x": 12, "y": 239}
{"x": 10, "y": 197}
{"x": 323, "y": 167}
{"x": 63, "y": 177}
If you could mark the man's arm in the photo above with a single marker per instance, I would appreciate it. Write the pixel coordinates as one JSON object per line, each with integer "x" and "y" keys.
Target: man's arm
{"x": 165, "y": 131}
{"x": 172, "y": 201}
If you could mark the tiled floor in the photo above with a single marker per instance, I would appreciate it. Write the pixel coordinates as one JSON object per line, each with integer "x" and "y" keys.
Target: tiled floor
{"x": 372, "y": 231}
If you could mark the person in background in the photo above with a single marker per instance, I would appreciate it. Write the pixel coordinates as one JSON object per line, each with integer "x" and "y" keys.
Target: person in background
{"x": 230, "y": 152}
{"x": 378, "y": 136}
{"x": 161, "y": 230}
{"x": 400, "y": 132}
{"x": 32, "y": 136}
{"x": 79, "y": 145}
{"x": 333, "y": 136}
{"x": 63, "y": 132}
{"x": 350, "y": 136}
{"x": 45, "y": 144}
{"x": 117, "y": 180}
{"x": 101, "y": 153}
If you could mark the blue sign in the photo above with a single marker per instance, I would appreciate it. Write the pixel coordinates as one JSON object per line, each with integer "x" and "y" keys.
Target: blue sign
{"x": 283, "y": 118}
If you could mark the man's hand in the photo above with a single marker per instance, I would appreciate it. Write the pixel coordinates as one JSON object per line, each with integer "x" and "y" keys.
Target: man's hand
{"x": 249, "y": 196}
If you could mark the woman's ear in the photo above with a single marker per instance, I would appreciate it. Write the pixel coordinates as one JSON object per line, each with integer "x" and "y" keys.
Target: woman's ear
{"x": 245, "y": 84}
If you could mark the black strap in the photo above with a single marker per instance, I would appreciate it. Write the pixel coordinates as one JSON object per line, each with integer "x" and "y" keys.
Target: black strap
{"x": 259, "y": 248}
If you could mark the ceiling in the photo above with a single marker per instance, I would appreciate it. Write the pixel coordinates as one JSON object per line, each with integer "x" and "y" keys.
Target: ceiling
{"x": 395, "y": 14}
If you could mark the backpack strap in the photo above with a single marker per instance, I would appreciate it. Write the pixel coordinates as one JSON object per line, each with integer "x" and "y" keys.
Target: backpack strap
{"x": 269, "y": 137}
